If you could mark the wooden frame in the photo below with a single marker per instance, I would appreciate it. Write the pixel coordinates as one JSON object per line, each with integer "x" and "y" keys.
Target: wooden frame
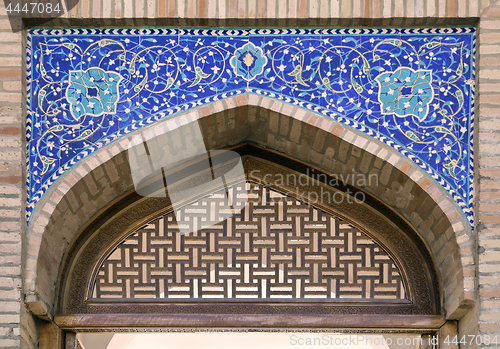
{"x": 424, "y": 323}
{"x": 62, "y": 333}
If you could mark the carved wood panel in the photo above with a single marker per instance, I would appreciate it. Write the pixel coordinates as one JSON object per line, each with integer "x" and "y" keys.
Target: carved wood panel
{"x": 276, "y": 247}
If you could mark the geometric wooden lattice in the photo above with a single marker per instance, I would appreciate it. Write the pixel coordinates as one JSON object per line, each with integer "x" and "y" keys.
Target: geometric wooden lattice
{"x": 276, "y": 247}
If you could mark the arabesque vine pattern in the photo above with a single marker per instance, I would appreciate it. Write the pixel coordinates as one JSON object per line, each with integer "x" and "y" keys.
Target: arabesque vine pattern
{"x": 413, "y": 89}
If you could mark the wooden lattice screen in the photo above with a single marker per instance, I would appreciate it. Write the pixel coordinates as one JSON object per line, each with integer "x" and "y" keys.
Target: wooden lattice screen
{"x": 277, "y": 247}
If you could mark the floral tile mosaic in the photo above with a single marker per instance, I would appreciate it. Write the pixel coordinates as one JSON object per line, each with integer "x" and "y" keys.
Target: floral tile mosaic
{"x": 412, "y": 88}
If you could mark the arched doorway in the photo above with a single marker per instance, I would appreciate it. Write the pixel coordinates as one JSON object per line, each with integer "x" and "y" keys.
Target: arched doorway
{"x": 287, "y": 261}
{"x": 258, "y": 162}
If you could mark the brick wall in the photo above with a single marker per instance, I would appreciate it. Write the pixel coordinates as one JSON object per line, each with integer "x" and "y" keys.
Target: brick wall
{"x": 488, "y": 205}
{"x": 483, "y": 318}
{"x": 11, "y": 179}
{"x": 279, "y": 9}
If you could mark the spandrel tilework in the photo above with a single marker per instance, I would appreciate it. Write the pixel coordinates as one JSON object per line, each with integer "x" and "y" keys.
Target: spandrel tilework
{"x": 412, "y": 89}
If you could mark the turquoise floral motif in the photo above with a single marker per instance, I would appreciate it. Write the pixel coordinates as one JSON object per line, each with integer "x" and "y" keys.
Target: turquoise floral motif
{"x": 248, "y": 61}
{"x": 405, "y": 92}
{"x": 93, "y": 92}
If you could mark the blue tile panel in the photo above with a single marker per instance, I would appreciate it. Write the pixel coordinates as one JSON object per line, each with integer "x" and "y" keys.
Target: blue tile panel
{"x": 412, "y": 89}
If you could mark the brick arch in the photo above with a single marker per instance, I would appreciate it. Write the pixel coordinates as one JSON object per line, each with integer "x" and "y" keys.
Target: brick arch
{"x": 104, "y": 178}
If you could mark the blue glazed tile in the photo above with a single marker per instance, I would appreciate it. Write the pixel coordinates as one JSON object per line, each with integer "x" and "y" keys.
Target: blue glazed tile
{"x": 412, "y": 86}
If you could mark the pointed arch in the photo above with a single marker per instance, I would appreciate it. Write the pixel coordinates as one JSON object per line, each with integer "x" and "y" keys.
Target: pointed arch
{"x": 103, "y": 181}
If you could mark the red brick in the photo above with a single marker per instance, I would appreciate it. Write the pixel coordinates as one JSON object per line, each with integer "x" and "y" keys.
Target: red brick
{"x": 489, "y": 38}
{"x": 425, "y": 184}
{"x": 490, "y": 184}
{"x": 171, "y": 8}
{"x": 435, "y": 194}
{"x": 10, "y": 131}
{"x": 14, "y": 85}
{"x": 489, "y": 87}
{"x": 469, "y": 272}
{"x": 191, "y": 8}
{"x": 10, "y": 110}
{"x": 202, "y": 9}
{"x": 489, "y": 49}
{"x": 488, "y": 137}
{"x": 488, "y": 72}
{"x": 490, "y": 207}
{"x": 489, "y": 112}
{"x": 162, "y": 8}
{"x": 241, "y": 99}
{"x": 489, "y": 327}
{"x": 6, "y": 73}
{"x": 10, "y": 226}
{"x": 205, "y": 110}
{"x": 13, "y": 97}
{"x": 489, "y": 24}
{"x": 261, "y": 8}
{"x": 491, "y": 61}
{"x": 312, "y": 120}
{"x": 490, "y": 124}
{"x": 10, "y": 166}
{"x": 326, "y": 124}
{"x": 495, "y": 173}
{"x": 302, "y": 8}
{"x": 490, "y": 98}
{"x": 337, "y": 130}
{"x": 233, "y": 8}
{"x": 492, "y": 12}
{"x": 367, "y": 9}
{"x": 486, "y": 233}
{"x": 405, "y": 167}
{"x": 489, "y": 161}
{"x": 487, "y": 219}
{"x": 452, "y": 216}
{"x": 489, "y": 280}
{"x": 242, "y": 12}
{"x": 11, "y": 179}
{"x": 452, "y": 10}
